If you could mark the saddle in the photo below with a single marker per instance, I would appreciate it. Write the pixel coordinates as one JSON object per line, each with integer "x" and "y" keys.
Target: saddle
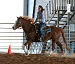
{"x": 45, "y": 30}
{"x": 37, "y": 28}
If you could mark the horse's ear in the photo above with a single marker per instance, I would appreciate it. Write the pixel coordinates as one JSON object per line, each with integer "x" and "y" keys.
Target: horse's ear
{"x": 22, "y": 17}
{"x": 16, "y": 16}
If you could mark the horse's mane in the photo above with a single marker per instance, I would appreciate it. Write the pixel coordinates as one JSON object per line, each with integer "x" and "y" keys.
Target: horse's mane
{"x": 28, "y": 18}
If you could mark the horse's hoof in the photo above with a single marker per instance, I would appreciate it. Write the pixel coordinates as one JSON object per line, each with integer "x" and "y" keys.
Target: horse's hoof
{"x": 68, "y": 49}
{"x": 49, "y": 55}
{"x": 43, "y": 52}
{"x": 51, "y": 52}
{"x": 63, "y": 55}
{"x": 26, "y": 54}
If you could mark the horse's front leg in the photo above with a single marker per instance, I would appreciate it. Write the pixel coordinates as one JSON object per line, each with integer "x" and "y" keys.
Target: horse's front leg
{"x": 53, "y": 47}
{"x": 44, "y": 47}
{"x": 27, "y": 47}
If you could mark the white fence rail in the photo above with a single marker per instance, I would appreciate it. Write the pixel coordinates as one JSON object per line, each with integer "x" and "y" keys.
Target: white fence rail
{"x": 8, "y": 36}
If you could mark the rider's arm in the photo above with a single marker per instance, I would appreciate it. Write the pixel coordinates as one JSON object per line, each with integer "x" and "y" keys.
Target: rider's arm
{"x": 36, "y": 19}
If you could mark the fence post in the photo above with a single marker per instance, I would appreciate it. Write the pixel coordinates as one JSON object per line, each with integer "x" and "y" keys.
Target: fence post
{"x": 72, "y": 48}
{"x": 58, "y": 18}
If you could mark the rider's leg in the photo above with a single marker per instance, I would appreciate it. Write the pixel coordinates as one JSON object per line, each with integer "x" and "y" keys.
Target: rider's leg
{"x": 41, "y": 29}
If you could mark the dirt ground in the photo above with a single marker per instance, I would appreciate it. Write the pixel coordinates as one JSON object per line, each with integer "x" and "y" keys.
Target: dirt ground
{"x": 17, "y": 58}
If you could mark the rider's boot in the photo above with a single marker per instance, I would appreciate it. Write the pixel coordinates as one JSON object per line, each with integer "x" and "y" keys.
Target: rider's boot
{"x": 41, "y": 37}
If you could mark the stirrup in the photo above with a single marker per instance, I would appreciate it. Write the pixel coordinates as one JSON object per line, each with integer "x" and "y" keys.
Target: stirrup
{"x": 40, "y": 39}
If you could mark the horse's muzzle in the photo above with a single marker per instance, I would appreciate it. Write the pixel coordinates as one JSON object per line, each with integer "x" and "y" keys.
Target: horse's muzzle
{"x": 14, "y": 28}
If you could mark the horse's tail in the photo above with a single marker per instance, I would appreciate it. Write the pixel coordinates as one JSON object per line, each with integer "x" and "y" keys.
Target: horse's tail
{"x": 65, "y": 41}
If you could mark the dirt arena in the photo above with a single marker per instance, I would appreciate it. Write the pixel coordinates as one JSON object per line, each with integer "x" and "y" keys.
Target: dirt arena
{"x": 36, "y": 59}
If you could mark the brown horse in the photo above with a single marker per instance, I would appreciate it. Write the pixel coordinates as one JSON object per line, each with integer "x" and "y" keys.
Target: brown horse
{"x": 31, "y": 36}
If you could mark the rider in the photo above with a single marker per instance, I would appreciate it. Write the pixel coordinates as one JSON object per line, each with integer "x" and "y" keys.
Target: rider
{"x": 40, "y": 19}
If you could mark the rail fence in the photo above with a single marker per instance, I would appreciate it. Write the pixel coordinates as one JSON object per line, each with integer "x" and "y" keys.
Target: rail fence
{"x": 10, "y": 37}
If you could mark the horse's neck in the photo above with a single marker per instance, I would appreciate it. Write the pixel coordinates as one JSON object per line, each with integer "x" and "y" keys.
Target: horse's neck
{"x": 28, "y": 29}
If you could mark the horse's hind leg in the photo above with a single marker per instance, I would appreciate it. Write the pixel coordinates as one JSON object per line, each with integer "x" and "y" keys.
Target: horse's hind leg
{"x": 60, "y": 45}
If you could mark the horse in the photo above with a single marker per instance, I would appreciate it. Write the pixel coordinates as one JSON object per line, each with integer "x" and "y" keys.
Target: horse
{"x": 28, "y": 26}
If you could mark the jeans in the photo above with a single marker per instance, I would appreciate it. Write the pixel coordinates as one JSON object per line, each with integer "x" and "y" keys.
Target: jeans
{"x": 41, "y": 29}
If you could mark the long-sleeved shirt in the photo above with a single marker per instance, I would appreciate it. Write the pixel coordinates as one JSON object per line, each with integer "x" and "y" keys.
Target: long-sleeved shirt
{"x": 40, "y": 17}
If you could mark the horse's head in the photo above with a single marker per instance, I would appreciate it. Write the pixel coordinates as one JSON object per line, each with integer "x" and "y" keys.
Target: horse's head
{"x": 22, "y": 20}
{"x": 18, "y": 23}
